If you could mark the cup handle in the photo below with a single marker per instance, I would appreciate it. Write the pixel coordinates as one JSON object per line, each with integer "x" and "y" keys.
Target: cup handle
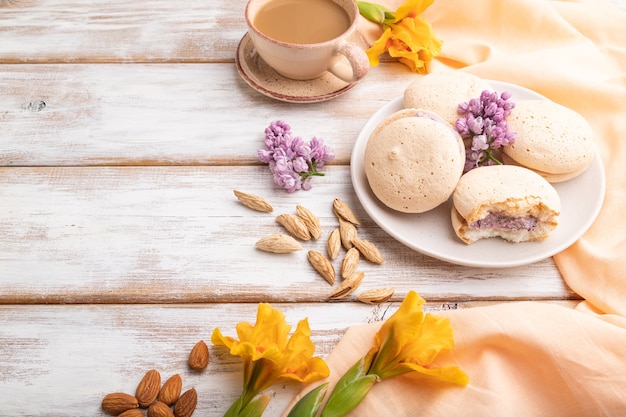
{"x": 350, "y": 63}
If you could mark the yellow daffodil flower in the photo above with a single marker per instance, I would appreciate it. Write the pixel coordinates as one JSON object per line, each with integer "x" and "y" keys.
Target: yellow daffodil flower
{"x": 407, "y": 36}
{"x": 409, "y": 341}
{"x": 269, "y": 354}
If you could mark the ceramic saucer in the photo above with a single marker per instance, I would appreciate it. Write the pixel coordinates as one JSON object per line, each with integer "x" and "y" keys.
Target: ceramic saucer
{"x": 265, "y": 80}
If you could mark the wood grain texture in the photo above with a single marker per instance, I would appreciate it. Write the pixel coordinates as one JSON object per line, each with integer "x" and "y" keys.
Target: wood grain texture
{"x": 196, "y": 114}
{"x": 62, "y": 360}
{"x": 43, "y": 31}
{"x": 178, "y": 234}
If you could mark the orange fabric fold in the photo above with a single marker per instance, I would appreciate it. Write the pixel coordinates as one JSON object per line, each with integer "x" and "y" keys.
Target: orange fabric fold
{"x": 527, "y": 358}
{"x": 523, "y": 359}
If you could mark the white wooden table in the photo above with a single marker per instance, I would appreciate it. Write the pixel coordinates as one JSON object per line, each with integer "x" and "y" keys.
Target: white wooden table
{"x": 124, "y": 129}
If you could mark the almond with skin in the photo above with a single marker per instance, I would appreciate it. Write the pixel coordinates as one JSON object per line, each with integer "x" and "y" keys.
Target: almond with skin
{"x": 199, "y": 356}
{"x": 294, "y": 225}
{"x": 171, "y": 389}
{"x": 322, "y": 265}
{"x": 159, "y": 409}
{"x": 132, "y": 413}
{"x": 148, "y": 388}
{"x": 350, "y": 262}
{"x": 343, "y": 211}
{"x": 368, "y": 250}
{"x": 186, "y": 404}
{"x": 253, "y": 201}
{"x": 347, "y": 286}
{"x": 310, "y": 220}
{"x": 278, "y": 243}
{"x": 376, "y": 295}
{"x": 333, "y": 245}
{"x": 118, "y": 402}
{"x": 347, "y": 232}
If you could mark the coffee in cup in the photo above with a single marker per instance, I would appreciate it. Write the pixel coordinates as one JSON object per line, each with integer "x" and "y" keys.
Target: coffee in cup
{"x": 302, "y": 39}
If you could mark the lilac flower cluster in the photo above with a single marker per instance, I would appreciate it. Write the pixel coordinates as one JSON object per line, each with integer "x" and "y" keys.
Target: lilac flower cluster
{"x": 483, "y": 123}
{"x": 292, "y": 161}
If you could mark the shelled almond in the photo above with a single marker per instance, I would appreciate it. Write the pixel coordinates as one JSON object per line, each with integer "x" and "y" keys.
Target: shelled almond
{"x": 368, "y": 250}
{"x": 310, "y": 220}
{"x": 322, "y": 265}
{"x": 135, "y": 412}
{"x": 278, "y": 243}
{"x": 148, "y": 388}
{"x": 186, "y": 404}
{"x": 199, "y": 356}
{"x": 347, "y": 286}
{"x": 294, "y": 225}
{"x": 343, "y": 211}
{"x": 350, "y": 262}
{"x": 333, "y": 245}
{"x": 118, "y": 402}
{"x": 171, "y": 389}
{"x": 375, "y": 295}
{"x": 347, "y": 232}
{"x": 253, "y": 201}
{"x": 159, "y": 409}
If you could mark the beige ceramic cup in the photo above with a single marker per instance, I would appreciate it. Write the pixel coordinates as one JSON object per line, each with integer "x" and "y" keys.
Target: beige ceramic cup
{"x": 339, "y": 56}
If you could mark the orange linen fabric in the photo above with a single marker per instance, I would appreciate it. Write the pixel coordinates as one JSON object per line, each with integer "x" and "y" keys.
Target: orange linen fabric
{"x": 527, "y": 358}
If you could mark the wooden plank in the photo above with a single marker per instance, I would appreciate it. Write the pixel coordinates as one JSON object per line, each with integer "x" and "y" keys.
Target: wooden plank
{"x": 177, "y": 234}
{"x": 62, "y": 360}
{"x": 193, "y": 114}
{"x": 119, "y": 31}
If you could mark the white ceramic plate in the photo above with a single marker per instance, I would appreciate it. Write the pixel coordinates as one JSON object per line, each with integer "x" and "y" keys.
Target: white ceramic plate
{"x": 431, "y": 233}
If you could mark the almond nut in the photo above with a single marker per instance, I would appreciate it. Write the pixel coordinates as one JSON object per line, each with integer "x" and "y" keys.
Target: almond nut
{"x": 159, "y": 409}
{"x": 253, "y": 201}
{"x": 347, "y": 286}
{"x": 322, "y": 265}
{"x": 199, "y": 356}
{"x": 135, "y": 412}
{"x": 118, "y": 402}
{"x": 350, "y": 262}
{"x": 343, "y": 211}
{"x": 148, "y": 388}
{"x": 368, "y": 250}
{"x": 310, "y": 220}
{"x": 376, "y": 295}
{"x": 171, "y": 389}
{"x": 186, "y": 404}
{"x": 347, "y": 232}
{"x": 278, "y": 243}
{"x": 334, "y": 244}
{"x": 294, "y": 225}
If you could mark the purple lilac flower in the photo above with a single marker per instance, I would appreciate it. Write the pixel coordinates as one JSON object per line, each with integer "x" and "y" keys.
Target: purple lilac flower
{"x": 482, "y": 124}
{"x": 292, "y": 161}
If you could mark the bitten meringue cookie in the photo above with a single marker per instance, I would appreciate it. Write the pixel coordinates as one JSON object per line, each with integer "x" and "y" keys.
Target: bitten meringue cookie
{"x": 552, "y": 140}
{"x": 442, "y": 92}
{"x": 506, "y": 201}
{"x": 413, "y": 160}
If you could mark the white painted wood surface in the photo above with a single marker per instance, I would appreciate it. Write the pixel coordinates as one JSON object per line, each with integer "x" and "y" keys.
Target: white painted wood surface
{"x": 121, "y": 242}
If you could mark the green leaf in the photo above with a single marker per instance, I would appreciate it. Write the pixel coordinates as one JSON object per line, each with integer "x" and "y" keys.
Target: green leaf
{"x": 375, "y": 12}
{"x": 308, "y": 405}
{"x": 350, "y": 390}
{"x": 233, "y": 410}
{"x": 256, "y": 407}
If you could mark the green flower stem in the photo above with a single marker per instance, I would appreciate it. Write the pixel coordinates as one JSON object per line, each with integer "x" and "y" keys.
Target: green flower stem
{"x": 350, "y": 390}
{"x": 493, "y": 158}
{"x": 243, "y": 407}
{"x": 309, "y": 405}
